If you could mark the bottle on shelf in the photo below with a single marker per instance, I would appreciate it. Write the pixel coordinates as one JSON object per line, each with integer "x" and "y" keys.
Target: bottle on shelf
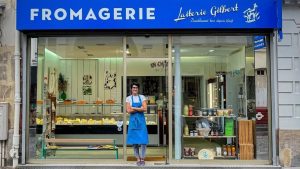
{"x": 233, "y": 151}
{"x": 190, "y": 110}
{"x": 224, "y": 150}
{"x": 186, "y": 130}
{"x": 186, "y": 110}
{"x": 229, "y": 150}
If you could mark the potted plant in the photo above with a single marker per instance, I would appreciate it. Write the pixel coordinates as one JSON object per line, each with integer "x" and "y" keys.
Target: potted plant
{"x": 62, "y": 87}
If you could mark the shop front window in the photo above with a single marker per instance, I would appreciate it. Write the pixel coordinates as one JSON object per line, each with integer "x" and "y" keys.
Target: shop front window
{"x": 77, "y": 107}
{"x": 221, "y": 82}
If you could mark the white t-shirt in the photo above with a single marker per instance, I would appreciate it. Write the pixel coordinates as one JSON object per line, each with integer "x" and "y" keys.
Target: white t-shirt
{"x": 135, "y": 99}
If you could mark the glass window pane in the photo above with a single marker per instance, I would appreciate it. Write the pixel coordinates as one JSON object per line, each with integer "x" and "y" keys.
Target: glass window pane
{"x": 78, "y": 97}
{"x": 218, "y": 97}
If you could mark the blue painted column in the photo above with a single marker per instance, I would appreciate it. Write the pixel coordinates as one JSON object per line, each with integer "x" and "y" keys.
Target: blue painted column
{"x": 177, "y": 106}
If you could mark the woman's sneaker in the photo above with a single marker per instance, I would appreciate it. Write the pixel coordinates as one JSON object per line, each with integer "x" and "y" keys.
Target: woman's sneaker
{"x": 142, "y": 163}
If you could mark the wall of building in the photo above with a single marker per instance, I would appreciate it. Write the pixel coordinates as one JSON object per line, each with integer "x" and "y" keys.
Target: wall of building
{"x": 7, "y": 25}
{"x": 289, "y": 87}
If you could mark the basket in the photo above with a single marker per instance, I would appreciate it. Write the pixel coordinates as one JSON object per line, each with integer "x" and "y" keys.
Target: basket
{"x": 203, "y": 131}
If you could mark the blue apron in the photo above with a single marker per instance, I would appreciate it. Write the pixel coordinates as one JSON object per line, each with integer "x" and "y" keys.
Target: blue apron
{"x": 137, "y": 129}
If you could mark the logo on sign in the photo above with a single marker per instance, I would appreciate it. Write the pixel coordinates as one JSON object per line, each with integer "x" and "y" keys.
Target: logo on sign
{"x": 252, "y": 15}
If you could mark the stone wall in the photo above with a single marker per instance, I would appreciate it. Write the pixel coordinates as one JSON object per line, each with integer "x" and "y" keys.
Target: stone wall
{"x": 7, "y": 27}
{"x": 7, "y": 86}
{"x": 290, "y": 140}
{"x": 289, "y": 87}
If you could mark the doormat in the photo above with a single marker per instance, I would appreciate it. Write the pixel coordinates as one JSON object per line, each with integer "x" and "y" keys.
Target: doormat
{"x": 149, "y": 158}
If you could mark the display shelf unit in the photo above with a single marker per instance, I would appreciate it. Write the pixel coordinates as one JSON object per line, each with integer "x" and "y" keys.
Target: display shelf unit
{"x": 220, "y": 120}
{"x": 104, "y": 108}
{"x": 103, "y": 120}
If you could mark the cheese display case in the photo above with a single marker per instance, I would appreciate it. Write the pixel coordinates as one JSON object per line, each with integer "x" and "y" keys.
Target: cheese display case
{"x": 85, "y": 120}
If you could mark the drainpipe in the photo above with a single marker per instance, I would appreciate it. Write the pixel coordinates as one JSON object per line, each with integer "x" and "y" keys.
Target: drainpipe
{"x": 14, "y": 152}
{"x": 178, "y": 110}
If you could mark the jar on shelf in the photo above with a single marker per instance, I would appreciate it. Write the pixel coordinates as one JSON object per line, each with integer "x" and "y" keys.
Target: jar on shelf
{"x": 204, "y": 112}
{"x": 192, "y": 152}
{"x": 230, "y": 111}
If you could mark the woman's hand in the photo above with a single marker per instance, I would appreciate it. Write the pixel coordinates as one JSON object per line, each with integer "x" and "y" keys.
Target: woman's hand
{"x": 139, "y": 109}
{"x": 142, "y": 109}
{"x": 129, "y": 109}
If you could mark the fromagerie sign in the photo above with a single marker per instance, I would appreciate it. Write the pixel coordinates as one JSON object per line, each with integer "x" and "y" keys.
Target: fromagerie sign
{"x": 147, "y": 14}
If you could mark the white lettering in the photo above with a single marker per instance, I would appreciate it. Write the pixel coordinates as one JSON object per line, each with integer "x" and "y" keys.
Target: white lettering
{"x": 33, "y": 13}
{"x": 91, "y": 15}
{"x": 104, "y": 13}
{"x": 74, "y": 14}
{"x": 130, "y": 13}
{"x": 46, "y": 14}
{"x": 150, "y": 13}
{"x": 117, "y": 13}
{"x": 60, "y": 10}
{"x": 70, "y": 14}
{"x": 140, "y": 13}
{"x": 214, "y": 11}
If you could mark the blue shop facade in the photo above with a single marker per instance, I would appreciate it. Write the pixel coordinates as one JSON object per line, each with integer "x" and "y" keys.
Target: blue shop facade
{"x": 204, "y": 67}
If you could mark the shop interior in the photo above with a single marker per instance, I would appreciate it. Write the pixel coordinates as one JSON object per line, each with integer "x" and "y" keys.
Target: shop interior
{"x": 77, "y": 97}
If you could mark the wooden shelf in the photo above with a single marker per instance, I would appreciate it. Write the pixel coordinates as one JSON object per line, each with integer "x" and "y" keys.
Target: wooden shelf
{"x": 89, "y": 104}
{"x": 190, "y": 157}
{"x": 207, "y": 116}
{"x": 225, "y": 157}
{"x": 209, "y": 136}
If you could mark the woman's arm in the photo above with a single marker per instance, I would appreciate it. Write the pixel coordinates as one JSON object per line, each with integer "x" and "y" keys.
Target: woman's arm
{"x": 129, "y": 109}
{"x": 141, "y": 109}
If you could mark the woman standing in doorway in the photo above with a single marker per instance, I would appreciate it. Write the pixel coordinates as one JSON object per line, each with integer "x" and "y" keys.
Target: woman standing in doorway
{"x": 137, "y": 131}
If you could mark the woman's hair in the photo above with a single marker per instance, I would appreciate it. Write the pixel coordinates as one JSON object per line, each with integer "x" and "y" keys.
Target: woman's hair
{"x": 134, "y": 84}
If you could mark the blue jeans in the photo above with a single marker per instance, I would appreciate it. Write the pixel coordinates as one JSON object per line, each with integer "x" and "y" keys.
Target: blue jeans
{"x": 136, "y": 148}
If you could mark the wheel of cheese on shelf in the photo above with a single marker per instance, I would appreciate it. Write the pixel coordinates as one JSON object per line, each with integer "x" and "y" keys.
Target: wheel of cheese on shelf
{"x": 205, "y": 154}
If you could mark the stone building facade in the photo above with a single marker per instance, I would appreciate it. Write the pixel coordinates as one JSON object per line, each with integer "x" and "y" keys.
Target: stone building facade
{"x": 288, "y": 69}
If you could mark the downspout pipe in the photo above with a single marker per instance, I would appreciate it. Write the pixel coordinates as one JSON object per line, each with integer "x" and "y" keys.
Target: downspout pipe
{"x": 14, "y": 152}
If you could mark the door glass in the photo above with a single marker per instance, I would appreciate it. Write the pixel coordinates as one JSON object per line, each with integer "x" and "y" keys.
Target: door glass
{"x": 147, "y": 65}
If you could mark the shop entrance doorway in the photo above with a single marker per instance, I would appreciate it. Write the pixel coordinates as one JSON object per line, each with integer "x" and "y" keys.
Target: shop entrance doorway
{"x": 147, "y": 65}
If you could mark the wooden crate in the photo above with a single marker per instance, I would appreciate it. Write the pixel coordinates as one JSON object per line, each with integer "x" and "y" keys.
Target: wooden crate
{"x": 246, "y": 151}
{"x": 246, "y": 132}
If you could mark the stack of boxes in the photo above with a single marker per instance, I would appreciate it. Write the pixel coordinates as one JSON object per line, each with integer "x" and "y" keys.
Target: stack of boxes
{"x": 246, "y": 143}
{"x": 229, "y": 127}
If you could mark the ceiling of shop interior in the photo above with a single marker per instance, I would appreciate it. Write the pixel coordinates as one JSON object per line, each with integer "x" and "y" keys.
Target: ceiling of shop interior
{"x": 139, "y": 47}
